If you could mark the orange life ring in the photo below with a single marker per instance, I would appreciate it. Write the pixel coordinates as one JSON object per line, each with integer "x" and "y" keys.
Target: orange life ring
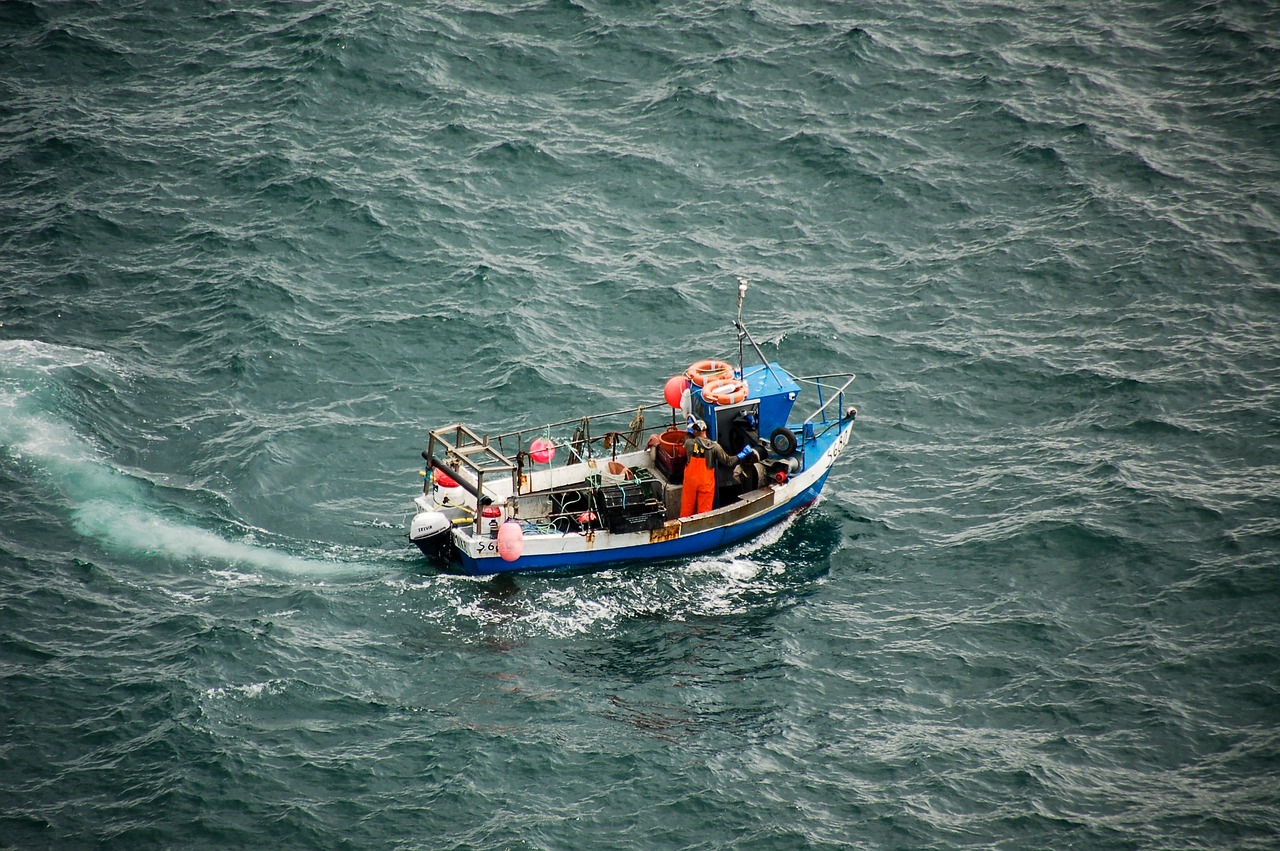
{"x": 727, "y": 391}
{"x": 708, "y": 370}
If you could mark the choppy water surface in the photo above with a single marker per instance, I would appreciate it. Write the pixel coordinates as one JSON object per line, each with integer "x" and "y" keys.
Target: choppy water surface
{"x": 248, "y": 254}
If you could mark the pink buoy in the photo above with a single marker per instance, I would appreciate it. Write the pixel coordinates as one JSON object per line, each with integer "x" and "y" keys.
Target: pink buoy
{"x": 674, "y": 389}
{"x": 510, "y": 540}
{"x": 542, "y": 450}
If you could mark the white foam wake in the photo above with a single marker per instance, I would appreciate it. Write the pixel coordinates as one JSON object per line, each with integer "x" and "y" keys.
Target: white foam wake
{"x": 105, "y": 503}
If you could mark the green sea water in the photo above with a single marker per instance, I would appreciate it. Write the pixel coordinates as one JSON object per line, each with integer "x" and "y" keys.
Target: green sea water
{"x": 250, "y": 253}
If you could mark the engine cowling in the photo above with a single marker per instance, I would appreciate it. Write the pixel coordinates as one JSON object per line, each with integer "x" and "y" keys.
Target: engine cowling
{"x": 427, "y": 525}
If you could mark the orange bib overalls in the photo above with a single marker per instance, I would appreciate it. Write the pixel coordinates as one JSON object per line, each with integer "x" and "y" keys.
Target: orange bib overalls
{"x": 699, "y": 481}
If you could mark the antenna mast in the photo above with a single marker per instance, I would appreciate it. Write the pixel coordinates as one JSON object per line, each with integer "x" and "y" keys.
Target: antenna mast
{"x": 742, "y": 332}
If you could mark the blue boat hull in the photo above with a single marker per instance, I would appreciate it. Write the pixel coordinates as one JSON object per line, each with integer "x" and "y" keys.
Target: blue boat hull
{"x": 685, "y": 545}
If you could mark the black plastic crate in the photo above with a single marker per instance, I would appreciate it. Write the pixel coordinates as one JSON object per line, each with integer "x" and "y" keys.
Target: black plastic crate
{"x": 626, "y": 498}
{"x": 620, "y": 523}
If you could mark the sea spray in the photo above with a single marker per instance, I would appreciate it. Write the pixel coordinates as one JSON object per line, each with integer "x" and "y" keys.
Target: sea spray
{"x": 106, "y": 504}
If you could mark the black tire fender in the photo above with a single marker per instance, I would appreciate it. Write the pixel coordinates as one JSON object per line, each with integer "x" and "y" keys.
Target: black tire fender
{"x": 783, "y": 441}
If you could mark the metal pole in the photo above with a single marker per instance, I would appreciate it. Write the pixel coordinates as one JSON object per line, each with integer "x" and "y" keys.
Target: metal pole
{"x": 742, "y": 331}
{"x": 742, "y": 293}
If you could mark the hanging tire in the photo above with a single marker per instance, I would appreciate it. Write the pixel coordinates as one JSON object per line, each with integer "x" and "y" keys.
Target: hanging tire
{"x": 783, "y": 441}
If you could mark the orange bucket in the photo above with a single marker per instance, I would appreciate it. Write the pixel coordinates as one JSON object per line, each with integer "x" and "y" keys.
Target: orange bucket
{"x": 673, "y": 441}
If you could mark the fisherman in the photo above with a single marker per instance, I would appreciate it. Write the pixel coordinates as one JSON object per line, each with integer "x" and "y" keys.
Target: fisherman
{"x": 705, "y": 455}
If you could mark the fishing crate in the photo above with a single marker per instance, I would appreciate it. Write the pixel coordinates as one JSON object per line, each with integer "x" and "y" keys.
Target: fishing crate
{"x": 621, "y": 523}
{"x": 629, "y": 507}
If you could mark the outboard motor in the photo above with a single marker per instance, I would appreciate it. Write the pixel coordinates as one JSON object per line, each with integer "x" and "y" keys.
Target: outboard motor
{"x": 430, "y": 531}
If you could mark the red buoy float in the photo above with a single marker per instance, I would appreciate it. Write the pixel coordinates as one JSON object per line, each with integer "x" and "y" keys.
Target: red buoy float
{"x": 674, "y": 389}
{"x": 510, "y": 540}
{"x": 444, "y": 480}
{"x": 703, "y": 371}
{"x": 542, "y": 450}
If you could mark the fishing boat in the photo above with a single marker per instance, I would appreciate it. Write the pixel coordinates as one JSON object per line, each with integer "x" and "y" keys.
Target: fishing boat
{"x": 598, "y": 489}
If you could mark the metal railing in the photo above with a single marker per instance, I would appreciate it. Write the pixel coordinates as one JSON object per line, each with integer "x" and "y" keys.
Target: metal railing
{"x": 836, "y": 395}
{"x": 587, "y": 432}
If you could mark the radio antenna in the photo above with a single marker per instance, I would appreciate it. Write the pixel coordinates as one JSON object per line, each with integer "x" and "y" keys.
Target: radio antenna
{"x": 742, "y": 332}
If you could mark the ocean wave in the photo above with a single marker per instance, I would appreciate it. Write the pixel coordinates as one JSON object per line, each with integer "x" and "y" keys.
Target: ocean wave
{"x": 252, "y": 253}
